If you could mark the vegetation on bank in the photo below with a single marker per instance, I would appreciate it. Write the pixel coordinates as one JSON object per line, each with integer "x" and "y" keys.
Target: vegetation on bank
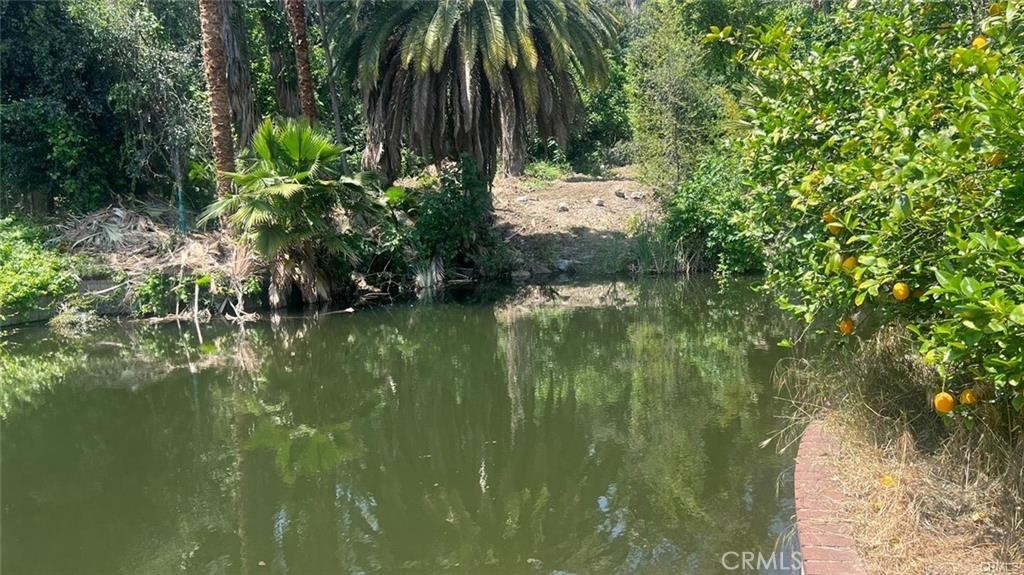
{"x": 867, "y": 159}
{"x": 31, "y": 273}
{"x": 882, "y": 158}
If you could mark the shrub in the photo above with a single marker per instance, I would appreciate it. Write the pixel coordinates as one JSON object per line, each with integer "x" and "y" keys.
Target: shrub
{"x": 452, "y": 220}
{"x": 605, "y": 122}
{"x": 891, "y": 154}
{"x": 29, "y": 272}
{"x": 294, "y": 209}
{"x": 701, "y": 216}
{"x": 673, "y": 107}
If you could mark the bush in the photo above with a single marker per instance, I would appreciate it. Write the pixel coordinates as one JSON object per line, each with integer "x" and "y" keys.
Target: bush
{"x": 29, "y": 272}
{"x": 673, "y": 107}
{"x": 605, "y": 123}
{"x": 891, "y": 155}
{"x": 701, "y": 216}
{"x": 293, "y": 208}
{"x": 452, "y": 220}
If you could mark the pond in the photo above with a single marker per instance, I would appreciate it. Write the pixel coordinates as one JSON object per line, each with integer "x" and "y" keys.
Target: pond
{"x": 567, "y": 429}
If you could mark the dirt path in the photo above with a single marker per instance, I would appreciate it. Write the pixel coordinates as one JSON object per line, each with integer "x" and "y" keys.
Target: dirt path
{"x": 579, "y": 224}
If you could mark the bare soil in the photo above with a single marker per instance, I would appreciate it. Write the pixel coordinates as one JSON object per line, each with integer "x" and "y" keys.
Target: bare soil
{"x": 582, "y": 237}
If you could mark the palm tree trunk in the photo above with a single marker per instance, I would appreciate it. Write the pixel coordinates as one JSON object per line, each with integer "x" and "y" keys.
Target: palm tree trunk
{"x": 281, "y": 65}
{"x": 332, "y": 85}
{"x": 211, "y": 23}
{"x": 297, "y": 19}
{"x": 243, "y": 99}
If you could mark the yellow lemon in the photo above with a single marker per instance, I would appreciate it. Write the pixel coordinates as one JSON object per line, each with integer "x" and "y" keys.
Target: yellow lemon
{"x": 849, "y": 263}
{"x": 980, "y": 42}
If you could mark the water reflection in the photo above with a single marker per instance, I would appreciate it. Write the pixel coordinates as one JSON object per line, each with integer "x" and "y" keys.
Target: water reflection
{"x": 608, "y": 428}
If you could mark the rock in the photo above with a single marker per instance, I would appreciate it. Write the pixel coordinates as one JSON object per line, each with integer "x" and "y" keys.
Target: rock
{"x": 597, "y": 201}
{"x": 620, "y": 194}
{"x": 564, "y": 265}
{"x": 523, "y": 199}
{"x": 637, "y": 195}
{"x": 563, "y": 207}
{"x": 540, "y": 270}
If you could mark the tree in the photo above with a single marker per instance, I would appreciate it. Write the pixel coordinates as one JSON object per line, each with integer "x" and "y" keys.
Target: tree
{"x": 332, "y": 87}
{"x": 458, "y": 78}
{"x": 282, "y": 66}
{"x": 243, "y": 101}
{"x": 297, "y": 22}
{"x": 292, "y": 207}
{"x": 674, "y": 109}
{"x": 211, "y": 24}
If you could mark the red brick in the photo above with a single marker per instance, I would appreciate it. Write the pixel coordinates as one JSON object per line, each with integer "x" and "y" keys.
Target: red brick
{"x": 826, "y": 541}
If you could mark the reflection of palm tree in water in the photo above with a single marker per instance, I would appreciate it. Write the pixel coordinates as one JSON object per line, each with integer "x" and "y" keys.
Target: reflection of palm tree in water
{"x": 574, "y": 440}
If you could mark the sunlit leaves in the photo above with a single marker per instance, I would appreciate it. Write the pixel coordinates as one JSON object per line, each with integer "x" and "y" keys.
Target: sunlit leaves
{"x": 913, "y": 117}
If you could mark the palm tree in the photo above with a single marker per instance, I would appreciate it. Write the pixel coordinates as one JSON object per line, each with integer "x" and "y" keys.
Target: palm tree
{"x": 455, "y": 77}
{"x": 294, "y": 209}
{"x": 242, "y": 95}
{"x": 297, "y": 22}
{"x": 211, "y": 22}
{"x": 282, "y": 64}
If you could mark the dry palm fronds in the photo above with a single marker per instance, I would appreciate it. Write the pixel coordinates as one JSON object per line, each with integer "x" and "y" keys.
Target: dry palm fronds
{"x": 138, "y": 243}
{"x": 114, "y": 229}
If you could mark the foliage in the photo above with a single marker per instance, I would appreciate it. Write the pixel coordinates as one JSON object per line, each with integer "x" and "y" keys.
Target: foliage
{"x": 467, "y": 78}
{"x": 673, "y": 107}
{"x": 544, "y": 172}
{"x": 656, "y": 251}
{"x": 701, "y": 218}
{"x": 895, "y": 141}
{"x": 593, "y": 146}
{"x": 29, "y": 271}
{"x": 980, "y": 298}
{"x": 99, "y": 98}
{"x": 452, "y": 221}
{"x": 289, "y": 195}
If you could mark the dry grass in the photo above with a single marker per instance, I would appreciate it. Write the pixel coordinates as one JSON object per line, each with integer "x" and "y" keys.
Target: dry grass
{"x": 927, "y": 498}
{"x": 916, "y": 512}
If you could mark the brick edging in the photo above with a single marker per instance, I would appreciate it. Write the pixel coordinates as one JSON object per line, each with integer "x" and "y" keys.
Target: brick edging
{"x": 827, "y": 546}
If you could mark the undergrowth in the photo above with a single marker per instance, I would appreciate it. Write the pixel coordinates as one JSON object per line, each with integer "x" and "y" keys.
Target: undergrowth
{"x": 923, "y": 479}
{"x": 31, "y": 274}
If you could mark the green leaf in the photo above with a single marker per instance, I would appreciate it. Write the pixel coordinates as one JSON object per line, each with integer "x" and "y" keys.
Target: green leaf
{"x": 1017, "y": 315}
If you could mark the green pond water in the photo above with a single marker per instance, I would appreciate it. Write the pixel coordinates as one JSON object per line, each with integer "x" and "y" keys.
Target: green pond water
{"x": 571, "y": 429}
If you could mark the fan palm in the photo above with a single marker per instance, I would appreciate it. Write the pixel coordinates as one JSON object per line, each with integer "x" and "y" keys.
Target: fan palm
{"x": 461, "y": 77}
{"x": 293, "y": 207}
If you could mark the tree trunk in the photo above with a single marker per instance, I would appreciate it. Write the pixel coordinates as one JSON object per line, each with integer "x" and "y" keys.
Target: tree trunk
{"x": 297, "y": 20}
{"x": 332, "y": 85}
{"x": 281, "y": 64}
{"x": 211, "y": 23}
{"x": 243, "y": 98}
